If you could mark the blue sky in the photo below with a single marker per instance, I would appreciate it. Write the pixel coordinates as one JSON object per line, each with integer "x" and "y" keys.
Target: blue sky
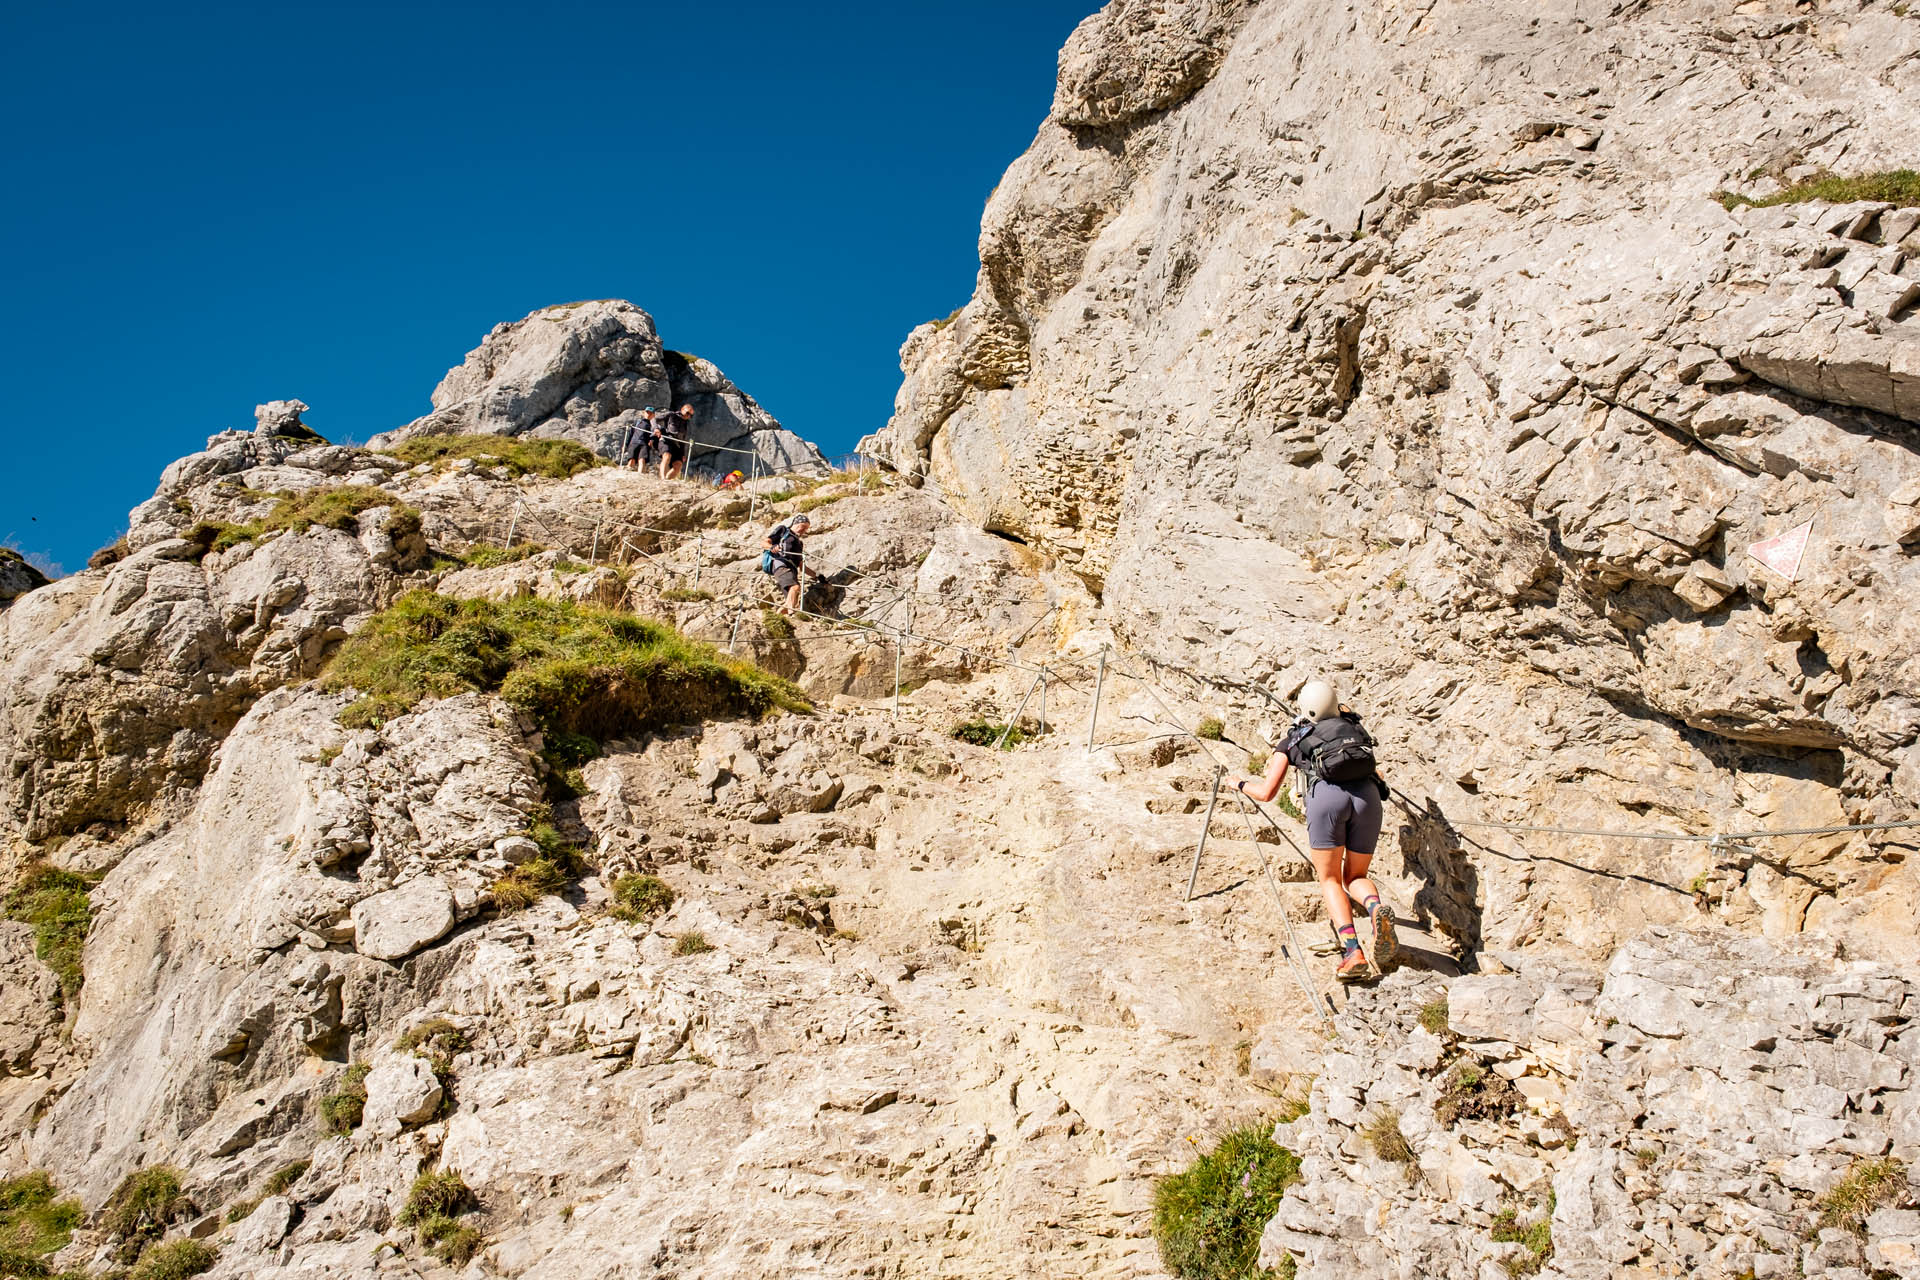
{"x": 220, "y": 206}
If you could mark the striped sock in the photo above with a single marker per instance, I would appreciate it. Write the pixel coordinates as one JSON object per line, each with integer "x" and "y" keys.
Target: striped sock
{"x": 1349, "y": 940}
{"x": 1371, "y": 904}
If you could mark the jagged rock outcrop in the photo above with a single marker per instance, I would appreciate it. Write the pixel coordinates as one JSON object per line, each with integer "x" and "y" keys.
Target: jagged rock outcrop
{"x": 1688, "y": 1111}
{"x": 17, "y": 576}
{"x": 583, "y": 371}
{"x": 1411, "y": 344}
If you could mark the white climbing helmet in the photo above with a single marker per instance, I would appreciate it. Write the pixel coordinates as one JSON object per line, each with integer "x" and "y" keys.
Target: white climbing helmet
{"x": 1318, "y": 700}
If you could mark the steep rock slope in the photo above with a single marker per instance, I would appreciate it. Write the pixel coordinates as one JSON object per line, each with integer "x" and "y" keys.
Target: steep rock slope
{"x": 1408, "y": 342}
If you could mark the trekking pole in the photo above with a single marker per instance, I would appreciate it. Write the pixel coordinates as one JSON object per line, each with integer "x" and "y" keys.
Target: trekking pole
{"x": 1013, "y": 723}
{"x": 1099, "y": 682}
{"x": 1205, "y": 827}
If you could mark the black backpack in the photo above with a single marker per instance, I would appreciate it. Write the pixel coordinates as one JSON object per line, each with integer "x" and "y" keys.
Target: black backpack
{"x": 1338, "y": 750}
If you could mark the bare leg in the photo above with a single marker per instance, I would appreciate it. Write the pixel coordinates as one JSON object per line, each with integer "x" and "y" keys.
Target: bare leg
{"x": 793, "y": 598}
{"x": 1359, "y": 888}
{"x": 1330, "y": 866}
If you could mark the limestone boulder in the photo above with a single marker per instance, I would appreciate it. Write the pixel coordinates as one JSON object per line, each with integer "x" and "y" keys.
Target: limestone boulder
{"x": 17, "y": 576}
{"x": 401, "y": 1093}
{"x": 395, "y": 924}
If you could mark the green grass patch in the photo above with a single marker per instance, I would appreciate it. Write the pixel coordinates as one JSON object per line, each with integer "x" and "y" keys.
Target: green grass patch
{"x": 529, "y": 882}
{"x": 337, "y": 507}
{"x": 575, "y": 669}
{"x": 142, "y": 1207}
{"x": 35, "y": 1223}
{"x": 777, "y": 625}
{"x": 557, "y": 459}
{"x": 1433, "y": 1016}
{"x": 691, "y": 943}
{"x": 1208, "y": 1219}
{"x": 55, "y": 903}
{"x": 1473, "y": 1093}
{"x": 639, "y": 897}
{"x": 951, "y": 316}
{"x": 1257, "y": 763}
{"x": 1283, "y": 800}
{"x": 431, "y": 1038}
{"x": 434, "y": 1205}
{"x": 1896, "y": 186}
{"x": 341, "y": 1110}
{"x": 175, "y": 1260}
{"x": 1211, "y": 729}
{"x": 818, "y": 501}
{"x": 484, "y": 555}
{"x": 285, "y": 1176}
{"x": 685, "y": 595}
{"x": 1868, "y": 1185}
{"x": 985, "y": 733}
{"x": 1535, "y": 1236}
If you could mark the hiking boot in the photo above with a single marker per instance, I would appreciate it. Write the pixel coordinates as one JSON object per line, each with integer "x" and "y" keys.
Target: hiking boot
{"x": 1354, "y": 967}
{"x": 1383, "y": 945}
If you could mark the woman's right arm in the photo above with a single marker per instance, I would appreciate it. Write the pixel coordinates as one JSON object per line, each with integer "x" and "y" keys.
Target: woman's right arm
{"x": 1264, "y": 789}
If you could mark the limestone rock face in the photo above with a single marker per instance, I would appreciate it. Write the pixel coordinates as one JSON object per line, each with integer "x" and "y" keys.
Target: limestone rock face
{"x": 1413, "y": 347}
{"x": 395, "y": 924}
{"x": 582, "y": 372}
{"x": 1603, "y": 1097}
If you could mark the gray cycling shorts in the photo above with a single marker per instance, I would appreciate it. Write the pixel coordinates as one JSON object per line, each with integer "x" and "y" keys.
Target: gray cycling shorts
{"x": 1344, "y": 816}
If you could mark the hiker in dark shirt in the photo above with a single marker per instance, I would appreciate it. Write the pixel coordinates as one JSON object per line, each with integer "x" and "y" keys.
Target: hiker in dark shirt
{"x": 1345, "y": 805}
{"x": 642, "y": 441}
{"x": 786, "y": 559}
{"x": 676, "y": 430}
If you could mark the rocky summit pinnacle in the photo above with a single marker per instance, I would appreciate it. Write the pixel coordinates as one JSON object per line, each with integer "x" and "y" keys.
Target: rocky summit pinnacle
{"x": 582, "y": 371}
{"x": 441, "y": 858}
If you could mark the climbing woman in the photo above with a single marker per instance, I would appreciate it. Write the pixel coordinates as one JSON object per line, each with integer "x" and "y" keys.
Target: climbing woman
{"x": 1344, "y": 809}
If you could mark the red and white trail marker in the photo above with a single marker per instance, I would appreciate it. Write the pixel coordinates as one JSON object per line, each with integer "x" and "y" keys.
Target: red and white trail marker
{"x": 1783, "y": 552}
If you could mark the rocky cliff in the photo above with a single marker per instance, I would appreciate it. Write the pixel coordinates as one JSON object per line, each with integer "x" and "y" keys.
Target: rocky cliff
{"x": 386, "y": 895}
{"x": 1437, "y": 346}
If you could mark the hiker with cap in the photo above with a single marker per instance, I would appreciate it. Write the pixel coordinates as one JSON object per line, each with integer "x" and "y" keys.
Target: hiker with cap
{"x": 676, "y": 430}
{"x": 637, "y": 448}
{"x": 783, "y": 557}
{"x": 1345, "y": 805}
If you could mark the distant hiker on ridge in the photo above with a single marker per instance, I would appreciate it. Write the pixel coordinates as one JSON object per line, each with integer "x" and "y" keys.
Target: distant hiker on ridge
{"x": 636, "y": 448}
{"x": 1345, "y": 803}
{"x": 676, "y": 431}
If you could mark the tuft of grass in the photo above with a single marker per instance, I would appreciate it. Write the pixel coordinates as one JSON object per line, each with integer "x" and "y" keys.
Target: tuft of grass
{"x": 484, "y": 555}
{"x": 175, "y": 1260}
{"x": 691, "y": 943}
{"x": 529, "y": 882}
{"x": 1434, "y": 1014}
{"x": 950, "y": 318}
{"x": 1868, "y": 1185}
{"x": 555, "y": 458}
{"x": 35, "y": 1223}
{"x": 638, "y": 897}
{"x": 1472, "y": 1093}
{"x": 1211, "y": 729}
{"x": 450, "y": 1240}
{"x": 440, "y": 1194}
{"x": 818, "y": 501}
{"x": 285, "y": 1176}
{"x": 1383, "y": 1134}
{"x": 777, "y": 625}
{"x": 1208, "y": 1218}
{"x": 819, "y": 892}
{"x": 1895, "y": 186}
{"x": 432, "y": 1037}
{"x": 1283, "y": 800}
{"x": 142, "y": 1207}
{"x": 985, "y": 733}
{"x": 575, "y": 669}
{"x": 1257, "y": 763}
{"x": 113, "y": 553}
{"x": 1536, "y": 1236}
{"x": 685, "y": 595}
{"x": 56, "y": 904}
{"x": 341, "y": 1110}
